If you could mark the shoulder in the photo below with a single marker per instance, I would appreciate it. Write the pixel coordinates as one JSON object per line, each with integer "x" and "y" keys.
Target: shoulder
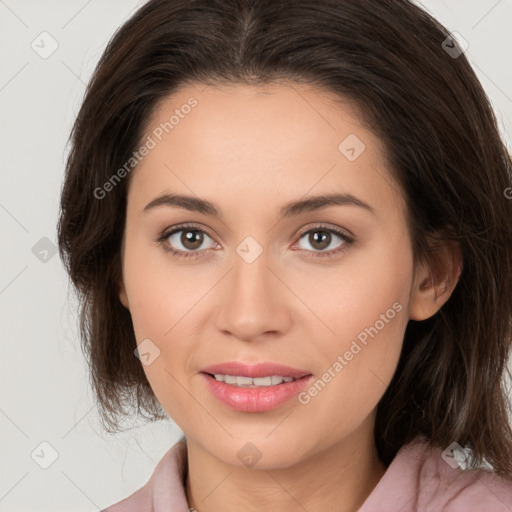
{"x": 423, "y": 479}
{"x": 165, "y": 488}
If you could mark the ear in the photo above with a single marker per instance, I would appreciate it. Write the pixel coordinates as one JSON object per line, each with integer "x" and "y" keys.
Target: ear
{"x": 433, "y": 284}
{"x": 123, "y": 297}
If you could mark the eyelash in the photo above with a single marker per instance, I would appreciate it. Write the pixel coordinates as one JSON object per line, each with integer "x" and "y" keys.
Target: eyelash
{"x": 316, "y": 254}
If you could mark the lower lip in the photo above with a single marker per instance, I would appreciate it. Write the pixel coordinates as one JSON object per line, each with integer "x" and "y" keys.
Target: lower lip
{"x": 264, "y": 398}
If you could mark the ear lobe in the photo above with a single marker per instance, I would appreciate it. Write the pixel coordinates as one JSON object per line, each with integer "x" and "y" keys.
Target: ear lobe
{"x": 123, "y": 297}
{"x": 434, "y": 284}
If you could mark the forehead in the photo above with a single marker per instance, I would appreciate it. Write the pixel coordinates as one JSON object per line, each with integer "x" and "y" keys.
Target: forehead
{"x": 265, "y": 141}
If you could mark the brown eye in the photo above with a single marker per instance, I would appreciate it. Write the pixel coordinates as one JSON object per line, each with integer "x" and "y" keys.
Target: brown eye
{"x": 191, "y": 239}
{"x": 186, "y": 240}
{"x": 319, "y": 239}
{"x": 322, "y": 241}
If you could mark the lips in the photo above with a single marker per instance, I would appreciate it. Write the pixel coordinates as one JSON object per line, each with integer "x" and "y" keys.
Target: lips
{"x": 265, "y": 369}
{"x": 256, "y": 399}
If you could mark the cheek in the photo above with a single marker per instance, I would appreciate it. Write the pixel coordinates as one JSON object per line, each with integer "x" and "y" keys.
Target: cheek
{"x": 160, "y": 292}
{"x": 156, "y": 311}
{"x": 162, "y": 297}
{"x": 367, "y": 313}
{"x": 350, "y": 295}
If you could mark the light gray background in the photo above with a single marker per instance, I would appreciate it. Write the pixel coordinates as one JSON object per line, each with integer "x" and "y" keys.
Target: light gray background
{"x": 45, "y": 395}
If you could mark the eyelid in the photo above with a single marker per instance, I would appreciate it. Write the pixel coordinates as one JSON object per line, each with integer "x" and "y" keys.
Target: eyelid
{"x": 327, "y": 227}
{"x": 166, "y": 233}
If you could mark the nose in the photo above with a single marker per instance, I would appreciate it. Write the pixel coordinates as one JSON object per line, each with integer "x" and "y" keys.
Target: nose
{"x": 253, "y": 300}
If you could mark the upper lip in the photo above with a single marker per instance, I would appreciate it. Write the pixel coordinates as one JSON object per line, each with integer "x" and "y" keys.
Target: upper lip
{"x": 254, "y": 370}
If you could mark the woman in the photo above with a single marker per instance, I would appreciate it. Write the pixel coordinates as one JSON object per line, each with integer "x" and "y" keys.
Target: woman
{"x": 289, "y": 227}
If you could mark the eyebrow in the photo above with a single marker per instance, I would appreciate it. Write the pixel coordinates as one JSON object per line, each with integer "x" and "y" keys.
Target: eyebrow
{"x": 195, "y": 204}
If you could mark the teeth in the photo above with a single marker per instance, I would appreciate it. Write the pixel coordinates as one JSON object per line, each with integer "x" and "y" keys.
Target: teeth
{"x": 249, "y": 382}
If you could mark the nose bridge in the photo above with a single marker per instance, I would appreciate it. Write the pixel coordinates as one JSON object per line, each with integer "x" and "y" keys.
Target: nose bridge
{"x": 250, "y": 273}
{"x": 251, "y": 281}
{"x": 252, "y": 302}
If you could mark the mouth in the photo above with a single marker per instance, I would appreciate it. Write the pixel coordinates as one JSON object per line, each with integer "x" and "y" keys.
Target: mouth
{"x": 256, "y": 388}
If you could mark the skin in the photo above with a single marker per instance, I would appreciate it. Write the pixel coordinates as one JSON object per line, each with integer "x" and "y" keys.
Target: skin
{"x": 250, "y": 150}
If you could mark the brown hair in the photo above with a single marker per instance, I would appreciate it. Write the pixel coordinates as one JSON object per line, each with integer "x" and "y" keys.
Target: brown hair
{"x": 442, "y": 142}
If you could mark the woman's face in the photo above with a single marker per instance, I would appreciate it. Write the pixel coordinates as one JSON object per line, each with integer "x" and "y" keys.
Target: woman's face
{"x": 265, "y": 282}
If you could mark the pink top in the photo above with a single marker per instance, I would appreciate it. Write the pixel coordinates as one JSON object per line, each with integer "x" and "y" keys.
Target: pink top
{"x": 417, "y": 480}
